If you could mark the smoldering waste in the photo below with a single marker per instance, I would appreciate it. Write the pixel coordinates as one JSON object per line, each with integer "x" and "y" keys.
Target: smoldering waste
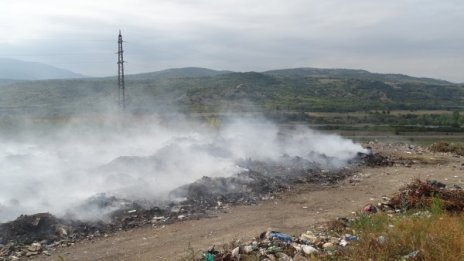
{"x": 41, "y": 233}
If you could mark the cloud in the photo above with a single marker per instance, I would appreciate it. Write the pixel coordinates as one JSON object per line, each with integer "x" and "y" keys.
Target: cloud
{"x": 408, "y": 36}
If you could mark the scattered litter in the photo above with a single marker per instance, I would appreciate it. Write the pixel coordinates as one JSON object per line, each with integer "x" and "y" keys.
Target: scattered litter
{"x": 281, "y": 236}
{"x": 411, "y": 255}
{"x": 381, "y": 239}
{"x": 369, "y": 209}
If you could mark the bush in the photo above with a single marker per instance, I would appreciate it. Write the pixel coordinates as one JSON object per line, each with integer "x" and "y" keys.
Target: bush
{"x": 443, "y": 146}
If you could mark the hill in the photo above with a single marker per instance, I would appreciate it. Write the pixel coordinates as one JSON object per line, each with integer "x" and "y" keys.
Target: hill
{"x": 20, "y": 70}
{"x": 204, "y": 90}
{"x": 8, "y": 81}
{"x": 187, "y": 72}
{"x": 349, "y": 73}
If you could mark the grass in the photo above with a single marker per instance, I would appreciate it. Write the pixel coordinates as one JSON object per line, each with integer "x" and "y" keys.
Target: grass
{"x": 443, "y": 146}
{"x": 433, "y": 235}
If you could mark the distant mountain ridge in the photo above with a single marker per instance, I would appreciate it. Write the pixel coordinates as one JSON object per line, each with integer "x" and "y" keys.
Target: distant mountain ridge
{"x": 204, "y": 90}
{"x": 12, "y": 69}
{"x": 186, "y": 72}
{"x": 352, "y": 73}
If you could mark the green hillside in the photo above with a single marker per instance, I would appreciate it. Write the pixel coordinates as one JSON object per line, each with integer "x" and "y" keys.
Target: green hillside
{"x": 204, "y": 90}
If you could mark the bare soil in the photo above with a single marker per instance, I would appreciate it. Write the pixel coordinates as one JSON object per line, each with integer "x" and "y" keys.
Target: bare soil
{"x": 290, "y": 212}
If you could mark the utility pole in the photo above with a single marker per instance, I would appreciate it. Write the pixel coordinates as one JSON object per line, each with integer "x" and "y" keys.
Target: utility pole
{"x": 121, "y": 87}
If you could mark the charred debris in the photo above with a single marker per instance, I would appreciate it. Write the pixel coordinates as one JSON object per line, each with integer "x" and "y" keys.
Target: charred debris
{"x": 40, "y": 233}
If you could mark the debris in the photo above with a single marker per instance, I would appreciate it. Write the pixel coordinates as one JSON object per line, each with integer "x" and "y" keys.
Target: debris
{"x": 209, "y": 257}
{"x": 249, "y": 249}
{"x": 369, "y": 209}
{"x": 235, "y": 253}
{"x": 308, "y": 249}
{"x": 281, "y": 236}
{"x": 328, "y": 245}
{"x": 259, "y": 180}
{"x": 419, "y": 194}
{"x": 343, "y": 242}
{"x": 411, "y": 255}
{"x": 349, "y": 237}
{"x": 381, "y": 239}
{"x": 436, "y": 183}
{"x": 309, "y": 236}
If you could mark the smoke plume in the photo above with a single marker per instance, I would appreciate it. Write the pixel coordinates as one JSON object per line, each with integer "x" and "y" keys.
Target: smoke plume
{"x": 59, "y": 171}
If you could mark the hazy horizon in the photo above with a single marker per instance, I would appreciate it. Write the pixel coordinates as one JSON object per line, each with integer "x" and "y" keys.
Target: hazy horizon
{"x": 417, "y": 38}
{"x": 217, "y": 69}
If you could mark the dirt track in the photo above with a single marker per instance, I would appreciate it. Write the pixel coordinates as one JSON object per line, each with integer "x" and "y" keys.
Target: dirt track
{"x": 291, "y": 213}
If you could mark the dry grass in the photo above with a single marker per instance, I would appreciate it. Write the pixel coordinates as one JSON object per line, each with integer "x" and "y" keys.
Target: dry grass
{"x": 443, "y": 146}
{"x": 435, "y": 237}
{"x": 431, "y": 227}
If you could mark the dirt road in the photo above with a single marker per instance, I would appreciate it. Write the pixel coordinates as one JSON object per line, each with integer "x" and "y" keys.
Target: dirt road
{"x": 291, "y": 213}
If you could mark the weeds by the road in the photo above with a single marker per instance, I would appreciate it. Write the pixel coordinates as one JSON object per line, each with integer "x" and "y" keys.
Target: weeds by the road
{"x": 443, "y": 146}
{"x": 416, "y": 236}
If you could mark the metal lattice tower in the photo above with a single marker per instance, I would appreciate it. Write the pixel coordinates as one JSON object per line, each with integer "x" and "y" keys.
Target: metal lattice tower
{"x": 121, "y": 87}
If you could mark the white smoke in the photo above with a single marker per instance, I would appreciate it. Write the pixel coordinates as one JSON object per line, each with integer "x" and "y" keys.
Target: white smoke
{"x": 143, "y": 161}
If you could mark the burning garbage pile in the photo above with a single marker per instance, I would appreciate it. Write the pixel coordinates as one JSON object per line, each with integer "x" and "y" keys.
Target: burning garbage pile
{"x": 31, "y": 235}
{"x": 257, "y": 182}
{"x": 111, "y": 181}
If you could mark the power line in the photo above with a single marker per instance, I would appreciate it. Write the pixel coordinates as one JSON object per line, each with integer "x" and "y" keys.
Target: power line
{"x": 121, "y": 87}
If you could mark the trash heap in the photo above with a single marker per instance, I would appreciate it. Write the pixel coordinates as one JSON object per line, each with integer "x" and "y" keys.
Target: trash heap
{"x": 419, "y": 194}
{"x": 328, "y": 239}
{"x": 41, "y": 233}
{"x": 321, "y": 241}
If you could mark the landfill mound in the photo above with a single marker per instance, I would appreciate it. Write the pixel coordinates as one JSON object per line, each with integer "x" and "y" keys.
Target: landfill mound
{"x": 27, "y": 229}
{"x": 256, "y": 183}
{"x": 41, "y": 233}
{"x": 328, "y": 240}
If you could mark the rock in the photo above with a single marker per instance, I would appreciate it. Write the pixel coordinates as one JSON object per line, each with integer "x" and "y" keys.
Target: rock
{"x": 308, "y": 249}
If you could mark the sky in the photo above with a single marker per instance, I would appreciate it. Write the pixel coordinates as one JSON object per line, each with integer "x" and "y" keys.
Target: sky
{"x": 415, "y": 37}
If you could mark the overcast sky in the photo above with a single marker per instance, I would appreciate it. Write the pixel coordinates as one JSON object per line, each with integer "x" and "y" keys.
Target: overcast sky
{"x": 416, "y": 37}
